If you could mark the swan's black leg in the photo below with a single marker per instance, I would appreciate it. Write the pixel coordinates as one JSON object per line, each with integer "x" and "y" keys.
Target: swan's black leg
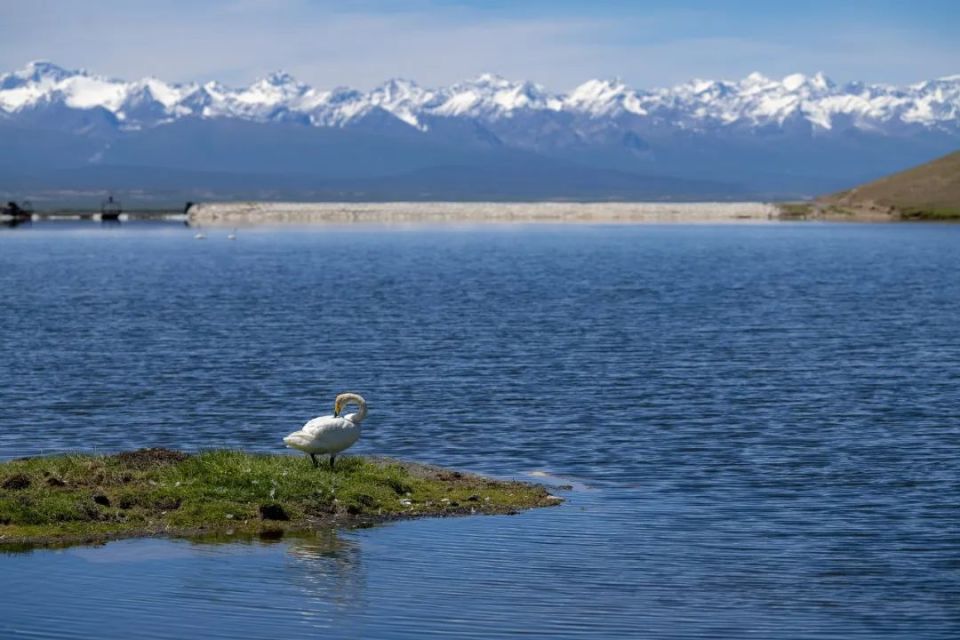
{"x": 313, "y": 457}
{"x": 333, "y": 457}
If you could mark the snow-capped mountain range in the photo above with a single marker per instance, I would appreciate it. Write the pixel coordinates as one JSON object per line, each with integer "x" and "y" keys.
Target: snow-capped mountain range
{"x": 755, "y": 101}
{"x": 486, "y": 137}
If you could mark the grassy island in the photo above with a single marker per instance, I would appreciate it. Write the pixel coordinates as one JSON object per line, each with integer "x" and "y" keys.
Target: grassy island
{"x": 89, "y": 498}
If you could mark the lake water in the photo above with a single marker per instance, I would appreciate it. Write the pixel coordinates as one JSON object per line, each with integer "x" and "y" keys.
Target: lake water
{"x": 761, "y": 424}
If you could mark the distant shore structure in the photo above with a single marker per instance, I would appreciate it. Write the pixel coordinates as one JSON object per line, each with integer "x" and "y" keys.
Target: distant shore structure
{"x": 13, "y": 214}
{"x": 110, "y": 209}
{"x": 14, "y": 211}
{"x": 235, "y": 214}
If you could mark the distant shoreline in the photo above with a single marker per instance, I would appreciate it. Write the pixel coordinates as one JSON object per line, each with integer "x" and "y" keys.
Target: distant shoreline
{"x": 827, "y": 210}
{"x": 251, "y": 213}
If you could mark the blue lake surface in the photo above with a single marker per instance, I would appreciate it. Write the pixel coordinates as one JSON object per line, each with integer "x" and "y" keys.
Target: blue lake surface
{"x": 761, "y": 424}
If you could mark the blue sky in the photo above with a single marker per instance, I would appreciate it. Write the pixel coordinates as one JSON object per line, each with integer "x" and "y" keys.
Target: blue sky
{"x": 558, "y": 43}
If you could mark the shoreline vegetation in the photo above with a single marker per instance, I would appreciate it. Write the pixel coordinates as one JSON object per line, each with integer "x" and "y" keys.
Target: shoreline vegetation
{"x": 81, "y": 498}
{"x": 864, "y": 212}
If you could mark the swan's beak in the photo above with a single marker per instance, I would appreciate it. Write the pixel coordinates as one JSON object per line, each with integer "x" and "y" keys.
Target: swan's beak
{"x": 336, "y": 410}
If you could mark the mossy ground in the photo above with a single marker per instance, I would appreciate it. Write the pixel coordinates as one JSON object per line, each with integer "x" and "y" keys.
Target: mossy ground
{"x": 83, "y": 498}
{"x": 930, "y": 213}
{"x": 795, "y": 209}
{"x": 823, "y": 210}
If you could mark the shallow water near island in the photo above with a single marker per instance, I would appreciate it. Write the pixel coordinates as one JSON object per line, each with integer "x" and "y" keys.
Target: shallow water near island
{"x": 760, "y": 424}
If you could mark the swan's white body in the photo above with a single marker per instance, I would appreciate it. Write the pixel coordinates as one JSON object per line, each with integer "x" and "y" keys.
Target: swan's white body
{"x": 325, "y": 434}
{"x": 330, "y": 434}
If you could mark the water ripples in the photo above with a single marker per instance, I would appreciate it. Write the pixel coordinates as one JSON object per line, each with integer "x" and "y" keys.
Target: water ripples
{"x": 760, "y": 424}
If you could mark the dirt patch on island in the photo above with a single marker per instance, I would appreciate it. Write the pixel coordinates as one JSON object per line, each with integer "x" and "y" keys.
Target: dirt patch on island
{"x": 147, "y": 458}
{"x": 16, "y": 482}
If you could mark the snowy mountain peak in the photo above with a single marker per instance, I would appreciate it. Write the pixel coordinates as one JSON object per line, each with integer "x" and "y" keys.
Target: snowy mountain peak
{"x": 279, "y": 79}
{"x": 798, "y": 81}
{"x": 821, "y": 81}
{"x": 603, "y": 97}
{"x": 39, "y": 70}
{"x": 491, "y": 80}
{"x": 399, "y": 85}
{"x": 698, "y": 105}
{"x": 37, "y": 73}
{"x": 487, "y": 96}
{"x": 597, "y": 90}
{"x": 400, "y": 91}
{"x": 756, "y": 78}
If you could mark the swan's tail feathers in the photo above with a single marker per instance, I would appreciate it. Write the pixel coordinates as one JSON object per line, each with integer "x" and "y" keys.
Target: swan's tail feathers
{"x": 296, "y": 440}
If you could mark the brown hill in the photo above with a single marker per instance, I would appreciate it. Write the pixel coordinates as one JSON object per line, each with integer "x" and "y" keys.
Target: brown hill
{"x": 929, "y": 191}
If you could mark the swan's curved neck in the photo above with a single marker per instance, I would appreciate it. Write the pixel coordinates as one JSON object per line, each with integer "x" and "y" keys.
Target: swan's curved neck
{"x": 352, "y": 398}
{"x": 361, "y": 411}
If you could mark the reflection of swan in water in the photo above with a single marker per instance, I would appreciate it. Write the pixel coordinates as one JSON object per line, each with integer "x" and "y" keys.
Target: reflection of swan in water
{"x": 320, "y": 545}
{"x": 330, "y": 434}
{"x": 329, "y": 572}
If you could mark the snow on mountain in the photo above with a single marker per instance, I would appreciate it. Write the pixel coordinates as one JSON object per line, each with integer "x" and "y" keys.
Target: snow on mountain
{"x": 403, "y": 98}
{"x": 754, "y": 101}
{"x": 602, "y": 98}
{"x": 490, "y": 96}
{"x": 758, "y": 101}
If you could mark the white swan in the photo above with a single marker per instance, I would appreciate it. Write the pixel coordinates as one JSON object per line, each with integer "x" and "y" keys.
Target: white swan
{"x": 232, "y": 235}
{"x": 330, "y": 434}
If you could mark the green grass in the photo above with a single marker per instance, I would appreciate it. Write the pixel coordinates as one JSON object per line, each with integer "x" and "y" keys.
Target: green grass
{"x": 837, "y": 210}
{"x": 76, "y": 498}
{"x": 795, "y": 209}
{"x": 930, "y": 213}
